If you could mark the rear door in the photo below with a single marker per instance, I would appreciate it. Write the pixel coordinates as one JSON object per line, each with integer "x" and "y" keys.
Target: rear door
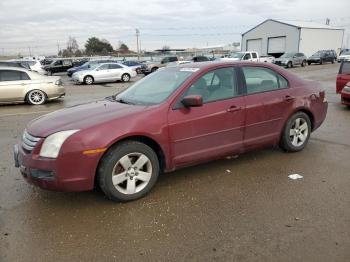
{"x": 12, "y": 85}
{"x": 268, "y": 101}
{"x": 214, "y": 129}
{"x": 116, "y": 71}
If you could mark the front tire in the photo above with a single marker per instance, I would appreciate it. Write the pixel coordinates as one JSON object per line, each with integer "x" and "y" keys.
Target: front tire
{"x": 88, "y": 80}
{"x": 36, "y": 97}
{"x": 303, "y": 64}
{"x": 296, "y": 133}
{"x": 289, "y": 64}
{"x": 128, "y": 171}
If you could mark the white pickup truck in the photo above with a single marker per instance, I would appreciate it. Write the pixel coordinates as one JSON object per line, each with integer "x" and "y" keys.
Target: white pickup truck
{"x": 247, "y": 56}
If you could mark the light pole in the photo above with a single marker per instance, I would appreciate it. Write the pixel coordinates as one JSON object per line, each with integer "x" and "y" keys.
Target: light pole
{"x": 137, "y": 43}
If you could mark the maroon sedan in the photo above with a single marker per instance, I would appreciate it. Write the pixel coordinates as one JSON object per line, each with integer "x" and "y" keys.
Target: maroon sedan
{"x": 176, "y": 117}
{"x": 343, "y": 83}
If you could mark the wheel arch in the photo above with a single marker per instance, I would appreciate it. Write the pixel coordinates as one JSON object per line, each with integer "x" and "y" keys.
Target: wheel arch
{"x": 304, "y": 110}
{"x": 93, "y": 78}
{"x": 143, "y": 139}
{"x": 30, "y": 90}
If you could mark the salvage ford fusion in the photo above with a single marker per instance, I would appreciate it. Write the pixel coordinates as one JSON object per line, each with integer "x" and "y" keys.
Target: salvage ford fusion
{"x": 176, "y": 117}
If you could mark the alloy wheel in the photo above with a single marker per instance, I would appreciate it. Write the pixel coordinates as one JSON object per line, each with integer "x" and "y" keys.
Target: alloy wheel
{"x": 36, "y": 97}
{"x": 132, "y": 173}
{"x": 88, "y": 80}
{"x": 298, "y": 132}
{"x": 125, "y": 78}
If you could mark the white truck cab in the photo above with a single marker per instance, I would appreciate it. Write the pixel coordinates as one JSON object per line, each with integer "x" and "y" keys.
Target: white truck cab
{"x": 247, "y": 56}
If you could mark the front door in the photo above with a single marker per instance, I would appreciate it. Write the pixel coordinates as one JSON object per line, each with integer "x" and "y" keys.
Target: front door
{"x": 102, "y": 73}
{"x": 214, "y": 129}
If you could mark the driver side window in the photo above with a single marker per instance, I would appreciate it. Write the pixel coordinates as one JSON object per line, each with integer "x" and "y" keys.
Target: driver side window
{"x": 216, "y": 85}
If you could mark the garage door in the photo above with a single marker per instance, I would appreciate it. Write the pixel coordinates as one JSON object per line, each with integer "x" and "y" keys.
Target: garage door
{"x": 276, "y": 45}
{"x": 254, "y": 45}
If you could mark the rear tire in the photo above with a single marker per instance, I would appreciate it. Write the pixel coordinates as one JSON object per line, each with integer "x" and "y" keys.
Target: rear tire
{"x": 321, "y": 62}
{"x": 154, "y": 69}
{"x": 125, "y": 77}
{"x": 333, "y": 61}
{"x": 36, "y": 97}
{"x": 128, "y": 171}
{"x": 309, "y": 63}
{"x": 296, "y": 132}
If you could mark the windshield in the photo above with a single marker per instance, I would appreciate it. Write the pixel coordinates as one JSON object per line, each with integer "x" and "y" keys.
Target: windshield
{"x": 156, "y": 87}
{"x": 285, "y": 55}
{"x": 345, "y": 53}
{"x": 237, "y": 55}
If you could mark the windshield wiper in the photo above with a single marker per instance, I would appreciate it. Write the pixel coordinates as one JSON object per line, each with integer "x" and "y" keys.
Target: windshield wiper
{"x": 120, "y": 100}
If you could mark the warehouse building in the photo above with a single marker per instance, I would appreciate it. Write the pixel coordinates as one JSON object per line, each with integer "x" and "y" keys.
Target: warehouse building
{"x": 275, "y": 37}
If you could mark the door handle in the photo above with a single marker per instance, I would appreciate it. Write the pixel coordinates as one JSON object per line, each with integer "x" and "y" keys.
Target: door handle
{"x": 288, "y": 98}
{"x": 234, "y": 109}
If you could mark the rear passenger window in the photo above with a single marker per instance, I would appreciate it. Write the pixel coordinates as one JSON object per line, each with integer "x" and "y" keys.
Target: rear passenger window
{"x": 13, "y": 75}
{"x": 260, "y": 79}
{"x": 114, "y": 66}
{"x": 254, "y": 55}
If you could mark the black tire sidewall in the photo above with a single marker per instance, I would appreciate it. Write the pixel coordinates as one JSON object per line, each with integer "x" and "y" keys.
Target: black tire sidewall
{"x": 110, "y": 159}
{"x": 86, "y": 77}
{"x": 285, "y": 141}
{"x": 126, "y": 75}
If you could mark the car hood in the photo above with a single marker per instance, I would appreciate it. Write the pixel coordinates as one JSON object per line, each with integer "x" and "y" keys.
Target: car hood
{"x": 344, "y": 56}
{"x": 81, "y": 117}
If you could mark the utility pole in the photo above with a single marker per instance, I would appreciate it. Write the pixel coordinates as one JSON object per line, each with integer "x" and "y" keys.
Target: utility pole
{"x": 137, "y": 43}
{"x": 30, "y": 52}
{"x": 58, "y": 48}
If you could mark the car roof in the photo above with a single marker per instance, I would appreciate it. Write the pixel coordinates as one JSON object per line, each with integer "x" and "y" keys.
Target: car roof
{"x": 14, "y": 68}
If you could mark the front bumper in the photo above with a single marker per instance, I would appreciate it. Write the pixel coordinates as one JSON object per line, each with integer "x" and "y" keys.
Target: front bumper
{"x": 281, "y": 63}
{"x": 70, "y": 173}
{"x": 345, "y": 97}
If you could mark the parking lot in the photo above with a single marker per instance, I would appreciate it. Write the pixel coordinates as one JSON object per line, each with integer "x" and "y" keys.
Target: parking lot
{"x": 241, "y": 208}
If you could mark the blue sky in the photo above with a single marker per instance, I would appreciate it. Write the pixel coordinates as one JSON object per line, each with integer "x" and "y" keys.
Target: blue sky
{"x": 42, "y": 24}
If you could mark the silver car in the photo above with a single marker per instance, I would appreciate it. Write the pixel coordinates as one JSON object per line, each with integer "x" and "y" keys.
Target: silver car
{"x": 291, "y": 59}
{"x": 18, "y": 85}
{"x": 107, "y": 72}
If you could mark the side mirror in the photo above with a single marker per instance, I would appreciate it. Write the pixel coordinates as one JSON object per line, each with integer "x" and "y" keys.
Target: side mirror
{"x": 192, "y": 101}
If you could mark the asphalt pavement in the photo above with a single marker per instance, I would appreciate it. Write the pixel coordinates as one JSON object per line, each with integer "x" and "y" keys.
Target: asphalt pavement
{"x": 243, "y": 208}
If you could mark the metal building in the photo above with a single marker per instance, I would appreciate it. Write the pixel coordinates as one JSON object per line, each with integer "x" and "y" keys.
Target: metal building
{"x": 275, "y": 37}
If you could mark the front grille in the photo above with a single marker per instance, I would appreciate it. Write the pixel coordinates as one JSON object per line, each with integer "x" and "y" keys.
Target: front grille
{"x": 29, "y": 141}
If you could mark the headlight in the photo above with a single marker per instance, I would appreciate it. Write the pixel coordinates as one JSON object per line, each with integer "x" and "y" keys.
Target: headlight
{"x": 346, "y": 89}
{"x": 52, "y": 144}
